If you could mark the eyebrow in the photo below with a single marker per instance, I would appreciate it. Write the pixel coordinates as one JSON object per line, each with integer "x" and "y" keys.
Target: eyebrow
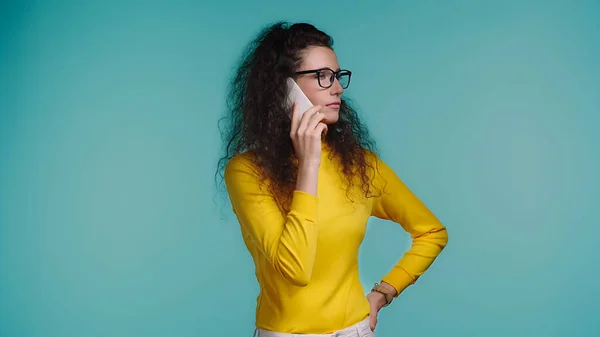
{"x": 338, "y": 69}
{"x": 319, "y": 68}
{"x": 327, "y": 67}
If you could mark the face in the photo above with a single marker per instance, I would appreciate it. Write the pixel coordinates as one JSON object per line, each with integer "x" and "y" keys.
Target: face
{"x": 328, "y": 97}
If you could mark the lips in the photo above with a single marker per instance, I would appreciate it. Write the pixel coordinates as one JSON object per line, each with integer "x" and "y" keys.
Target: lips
{"x": 334, "y": 104}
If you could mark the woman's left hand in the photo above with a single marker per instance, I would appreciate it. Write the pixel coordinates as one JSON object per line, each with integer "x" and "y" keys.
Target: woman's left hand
{"x": 376, "y": 301}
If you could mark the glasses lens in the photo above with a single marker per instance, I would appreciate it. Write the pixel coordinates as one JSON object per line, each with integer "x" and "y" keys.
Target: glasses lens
{"x": 344, "y": 79}
{"x": 326, "y": 78}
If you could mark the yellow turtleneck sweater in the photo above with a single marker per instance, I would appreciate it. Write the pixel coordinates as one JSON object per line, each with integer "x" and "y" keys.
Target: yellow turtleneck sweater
{"x": 306, "y": 261}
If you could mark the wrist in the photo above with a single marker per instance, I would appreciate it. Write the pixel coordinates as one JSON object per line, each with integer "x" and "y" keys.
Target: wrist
{"x": 379, "y": 298}
{"x": 387, "y": 291}
{"x": 390, "y": 288}
{"x": 307, "y": 179}
{"x": 309, "y": 165}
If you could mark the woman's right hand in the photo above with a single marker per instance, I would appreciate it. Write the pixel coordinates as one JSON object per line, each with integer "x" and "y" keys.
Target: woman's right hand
{"x": 306, "y": 135}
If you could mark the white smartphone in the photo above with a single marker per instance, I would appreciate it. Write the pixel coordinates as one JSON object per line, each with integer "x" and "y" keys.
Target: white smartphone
{"x": 296, "y": 94}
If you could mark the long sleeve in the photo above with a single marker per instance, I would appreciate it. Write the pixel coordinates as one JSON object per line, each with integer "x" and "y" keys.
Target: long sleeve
{"x": 429, "y": 237}
{"x": 288, "y": 241}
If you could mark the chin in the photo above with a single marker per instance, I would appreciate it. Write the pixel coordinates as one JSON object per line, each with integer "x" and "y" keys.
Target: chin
{"x": 331, "y": 117}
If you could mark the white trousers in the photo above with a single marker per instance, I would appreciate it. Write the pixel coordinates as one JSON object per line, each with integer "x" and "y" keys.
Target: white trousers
{"x": 360, "y": 329}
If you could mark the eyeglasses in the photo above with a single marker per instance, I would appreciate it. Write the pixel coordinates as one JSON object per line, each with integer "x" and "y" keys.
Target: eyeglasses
{"x": 326, "y": 76}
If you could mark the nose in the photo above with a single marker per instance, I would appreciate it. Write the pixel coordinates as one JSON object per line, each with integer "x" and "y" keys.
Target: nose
{"x": 336, "y": 88}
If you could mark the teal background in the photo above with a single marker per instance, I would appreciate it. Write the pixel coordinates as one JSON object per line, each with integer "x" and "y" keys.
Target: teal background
{"x": 111, "y": 223}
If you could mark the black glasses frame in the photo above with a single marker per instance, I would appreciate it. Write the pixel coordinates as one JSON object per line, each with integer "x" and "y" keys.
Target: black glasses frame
{"x": 336, "y": 74}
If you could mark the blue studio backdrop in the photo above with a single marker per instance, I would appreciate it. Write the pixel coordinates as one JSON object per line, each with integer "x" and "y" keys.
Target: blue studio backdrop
{"x": 111, "y": 223}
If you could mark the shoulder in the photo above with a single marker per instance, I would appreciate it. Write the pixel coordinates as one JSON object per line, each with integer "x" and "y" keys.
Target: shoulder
{"x": 241, "y": 165}
{"x": 242, "y": 161}
{"x": 371, "y": 156}
{"x": 243, "y": 177}
{"x": 374, "y": 160}
{"x": 380, "y": 171}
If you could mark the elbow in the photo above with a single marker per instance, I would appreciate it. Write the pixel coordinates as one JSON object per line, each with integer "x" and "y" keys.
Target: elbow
{"x": 298, "y": 275}
{"x": 443, "y": 237}
{"x": 437, "y": 237}
{"x": 301, "y": 279}
{"x": 295, "y": 265}
{"x": 440, "y": 235}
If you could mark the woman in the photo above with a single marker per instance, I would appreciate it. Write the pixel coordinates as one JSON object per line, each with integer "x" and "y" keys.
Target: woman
{"x": 303, "y": 185}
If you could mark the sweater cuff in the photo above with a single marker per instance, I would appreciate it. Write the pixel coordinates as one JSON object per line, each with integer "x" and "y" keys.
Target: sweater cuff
{"x": 305, "y": 204}
{"x": 399, "y": 279}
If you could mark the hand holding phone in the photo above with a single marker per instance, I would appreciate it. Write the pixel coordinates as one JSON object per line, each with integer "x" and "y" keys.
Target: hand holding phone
{"x": 295, "y": 94}
{"x": 307, "y": 126}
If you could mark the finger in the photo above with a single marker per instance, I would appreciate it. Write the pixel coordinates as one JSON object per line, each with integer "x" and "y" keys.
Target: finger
{"x": 303, "y": 126}
{"x": 311, "y": 111}
{"x": 315, "y": 120}
{"x": 320, "y": 129}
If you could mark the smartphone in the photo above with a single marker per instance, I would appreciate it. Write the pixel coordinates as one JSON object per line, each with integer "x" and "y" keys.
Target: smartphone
{"x": 296, "y": 94}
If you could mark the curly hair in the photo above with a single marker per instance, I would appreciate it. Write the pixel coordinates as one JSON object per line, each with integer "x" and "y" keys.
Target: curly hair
{"x": 258, "y": 112}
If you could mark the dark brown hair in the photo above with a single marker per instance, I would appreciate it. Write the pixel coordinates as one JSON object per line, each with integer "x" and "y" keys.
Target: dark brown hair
{"x": 258, "y": 119}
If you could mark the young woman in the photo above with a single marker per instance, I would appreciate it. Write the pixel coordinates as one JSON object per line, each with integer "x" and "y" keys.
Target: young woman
{"x": 303, "y": 185}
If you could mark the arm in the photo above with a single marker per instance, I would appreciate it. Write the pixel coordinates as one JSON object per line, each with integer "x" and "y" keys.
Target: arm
{"x": 429, "y": 237}
{"x": 288, "y": 241}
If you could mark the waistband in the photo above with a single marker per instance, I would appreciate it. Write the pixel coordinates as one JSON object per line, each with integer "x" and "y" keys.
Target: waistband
{"x": 359, "y": 329}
